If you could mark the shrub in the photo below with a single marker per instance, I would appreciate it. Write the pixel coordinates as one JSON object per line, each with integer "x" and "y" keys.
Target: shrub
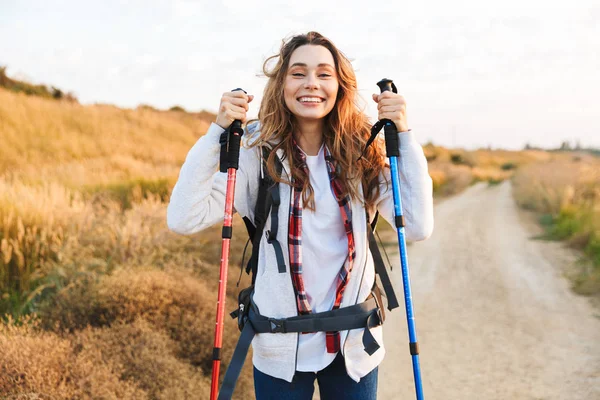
{"x": 464, "y": 158}
{"x": 508, "y": 166}
{"x": 456, "y": 158}
{"x": 173, "y": 302}
{"x": 148, "y": 357}
{"x": 42, "y": 364}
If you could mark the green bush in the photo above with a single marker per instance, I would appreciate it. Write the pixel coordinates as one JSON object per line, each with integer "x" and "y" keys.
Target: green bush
{"x": 456, "y": 158}
{"x": 593, "y": 249}
{"x": 566, "y": 224}
{"x": 508, "y": 166}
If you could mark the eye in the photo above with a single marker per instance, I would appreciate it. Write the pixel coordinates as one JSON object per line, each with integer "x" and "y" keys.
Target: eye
{"x": 297, "y": 74}
{"x": 324, "y": 75}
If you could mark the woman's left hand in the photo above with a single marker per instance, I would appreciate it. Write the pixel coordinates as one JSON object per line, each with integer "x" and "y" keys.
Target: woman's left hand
{"x": 392, "y": 106}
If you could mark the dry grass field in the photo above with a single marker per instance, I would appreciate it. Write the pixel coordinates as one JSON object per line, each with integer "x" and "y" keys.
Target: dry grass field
{"x": 101, "y": 300}
{"x": 565, "y": 193}
{"x": 118, "y": 306}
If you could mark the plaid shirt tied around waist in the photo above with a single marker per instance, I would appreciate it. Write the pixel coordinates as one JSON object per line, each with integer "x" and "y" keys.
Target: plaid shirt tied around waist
{"x": 295, "y": 242}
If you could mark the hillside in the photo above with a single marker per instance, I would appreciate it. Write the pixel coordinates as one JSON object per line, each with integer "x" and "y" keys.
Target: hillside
{"x": 77, "y": 144}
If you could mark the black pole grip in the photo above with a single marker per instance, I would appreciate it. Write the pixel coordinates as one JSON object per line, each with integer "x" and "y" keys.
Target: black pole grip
{"x": 230, "y": 144}
{"x": 385, "y": 85}
{"x": 392, "y": 144}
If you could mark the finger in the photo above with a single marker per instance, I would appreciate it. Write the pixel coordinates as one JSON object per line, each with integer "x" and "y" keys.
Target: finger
{"x": 250, "y": 98}
{"x": 396, "y": 102}
{"x": 388, "y": 94}
{"x": 237, "y": 101}
{"x": 237, "y": 109}
{"x": 393, "y": 108}
{"x": 233, "y": 115}
{"x": 236, "y": 94}
{"x": 375, "y": 98}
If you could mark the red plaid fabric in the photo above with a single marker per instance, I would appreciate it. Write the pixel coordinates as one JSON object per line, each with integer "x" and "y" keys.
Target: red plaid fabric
{"x": 295, "y": 242}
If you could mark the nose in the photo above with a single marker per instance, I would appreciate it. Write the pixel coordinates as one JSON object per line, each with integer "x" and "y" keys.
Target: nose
{"x": 311, "y": 82}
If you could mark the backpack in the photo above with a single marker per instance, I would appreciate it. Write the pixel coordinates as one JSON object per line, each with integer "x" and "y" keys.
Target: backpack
{"x": 371, "y": 312}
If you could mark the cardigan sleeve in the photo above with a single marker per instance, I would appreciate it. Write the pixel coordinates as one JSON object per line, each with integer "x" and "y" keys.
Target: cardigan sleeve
{"x": 416, "y": 190}
{"x": 198, "y": 197}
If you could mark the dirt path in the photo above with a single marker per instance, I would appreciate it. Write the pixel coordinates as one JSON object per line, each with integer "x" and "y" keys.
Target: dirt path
{"x": 495, "y": 317}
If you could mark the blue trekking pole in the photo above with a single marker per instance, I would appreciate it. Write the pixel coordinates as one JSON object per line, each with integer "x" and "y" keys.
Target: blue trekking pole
{"x": 393, "y": 152}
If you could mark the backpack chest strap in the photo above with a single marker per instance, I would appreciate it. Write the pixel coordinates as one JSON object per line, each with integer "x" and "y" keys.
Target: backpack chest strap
{"x": 364, "y": 315}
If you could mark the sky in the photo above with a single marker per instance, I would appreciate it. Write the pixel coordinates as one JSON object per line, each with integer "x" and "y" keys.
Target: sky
{"x": 474, "y": 73}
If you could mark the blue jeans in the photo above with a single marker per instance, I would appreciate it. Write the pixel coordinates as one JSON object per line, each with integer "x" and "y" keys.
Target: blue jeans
{"x": 334, "y": 384}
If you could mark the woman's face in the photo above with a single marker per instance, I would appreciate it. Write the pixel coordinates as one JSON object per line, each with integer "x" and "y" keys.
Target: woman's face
{"x": 311, "y": 83}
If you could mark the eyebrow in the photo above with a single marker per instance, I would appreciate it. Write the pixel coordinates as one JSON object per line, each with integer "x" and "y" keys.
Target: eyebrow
{"x": 304, "y": 65}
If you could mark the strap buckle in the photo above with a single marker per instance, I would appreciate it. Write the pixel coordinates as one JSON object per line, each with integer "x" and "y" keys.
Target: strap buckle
{"x": 270, "y": 237}
{"x": 277, "y": 325}
{"x": 380, "y": 315}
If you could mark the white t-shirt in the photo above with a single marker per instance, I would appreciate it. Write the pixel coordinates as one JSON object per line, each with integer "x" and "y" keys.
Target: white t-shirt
{"x": 324, "y": 251}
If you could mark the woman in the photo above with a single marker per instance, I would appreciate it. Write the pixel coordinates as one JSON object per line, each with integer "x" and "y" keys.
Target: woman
{"x": 308, "y": 116}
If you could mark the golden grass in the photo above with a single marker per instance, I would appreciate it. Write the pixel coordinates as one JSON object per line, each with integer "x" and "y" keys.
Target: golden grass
{"x": 127, "y": 307}
{"x": 552, "y": 186}
{"x": 78, "y": 145}
{"x": 453, "y": 170}
{"x": 118, "y": 268}
{"x": 566, "y": 193}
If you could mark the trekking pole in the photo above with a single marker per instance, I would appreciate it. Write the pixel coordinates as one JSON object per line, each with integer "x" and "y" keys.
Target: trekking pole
{"x": 229, "y": 160}
{"x": 393, "y": 152}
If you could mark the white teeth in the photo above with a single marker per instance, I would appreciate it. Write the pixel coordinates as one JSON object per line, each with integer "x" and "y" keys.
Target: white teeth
{"x": 310, "y": 100}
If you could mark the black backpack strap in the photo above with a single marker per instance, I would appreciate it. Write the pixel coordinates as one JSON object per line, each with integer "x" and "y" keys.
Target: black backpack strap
{"x": 268, "y": 201}
{"x": 380, "y": 269}
{"x": 272, "y": 233}
{"x": 237, "y": 362}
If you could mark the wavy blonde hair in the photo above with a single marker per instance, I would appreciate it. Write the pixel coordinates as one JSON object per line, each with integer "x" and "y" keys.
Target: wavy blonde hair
{"x": 346, "y": 127}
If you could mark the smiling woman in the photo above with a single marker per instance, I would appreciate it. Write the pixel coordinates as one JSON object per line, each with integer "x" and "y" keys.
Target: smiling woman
{"x": 314, "y": 260}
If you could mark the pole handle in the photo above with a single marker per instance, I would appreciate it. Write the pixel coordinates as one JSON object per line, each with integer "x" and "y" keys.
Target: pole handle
{"x": 230, "y": 144}
{"x": 387, "y": 85}
{"x": 392, "y": 143}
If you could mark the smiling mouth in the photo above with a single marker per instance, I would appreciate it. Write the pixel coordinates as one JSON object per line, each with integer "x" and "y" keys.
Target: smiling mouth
{"x": 310, "y": 100}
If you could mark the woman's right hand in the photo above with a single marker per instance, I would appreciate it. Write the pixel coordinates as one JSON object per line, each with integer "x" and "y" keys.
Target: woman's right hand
{"x": 234, "y": 105}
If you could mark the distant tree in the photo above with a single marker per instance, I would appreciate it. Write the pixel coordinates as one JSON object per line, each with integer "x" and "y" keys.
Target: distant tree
{"x": 177, "y": 108}
{"x": 147, "y": 107}
{"x": 3, "y": 78}
{"x": 57, "y": 93}
{"x": 565, "y": 146}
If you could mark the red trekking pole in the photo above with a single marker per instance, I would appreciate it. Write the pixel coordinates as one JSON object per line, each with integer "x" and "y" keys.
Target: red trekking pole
{"x": 230, "y": 155}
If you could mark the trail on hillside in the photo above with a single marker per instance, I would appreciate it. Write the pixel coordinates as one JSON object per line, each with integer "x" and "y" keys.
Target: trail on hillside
{"x": 495, "y": 316}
